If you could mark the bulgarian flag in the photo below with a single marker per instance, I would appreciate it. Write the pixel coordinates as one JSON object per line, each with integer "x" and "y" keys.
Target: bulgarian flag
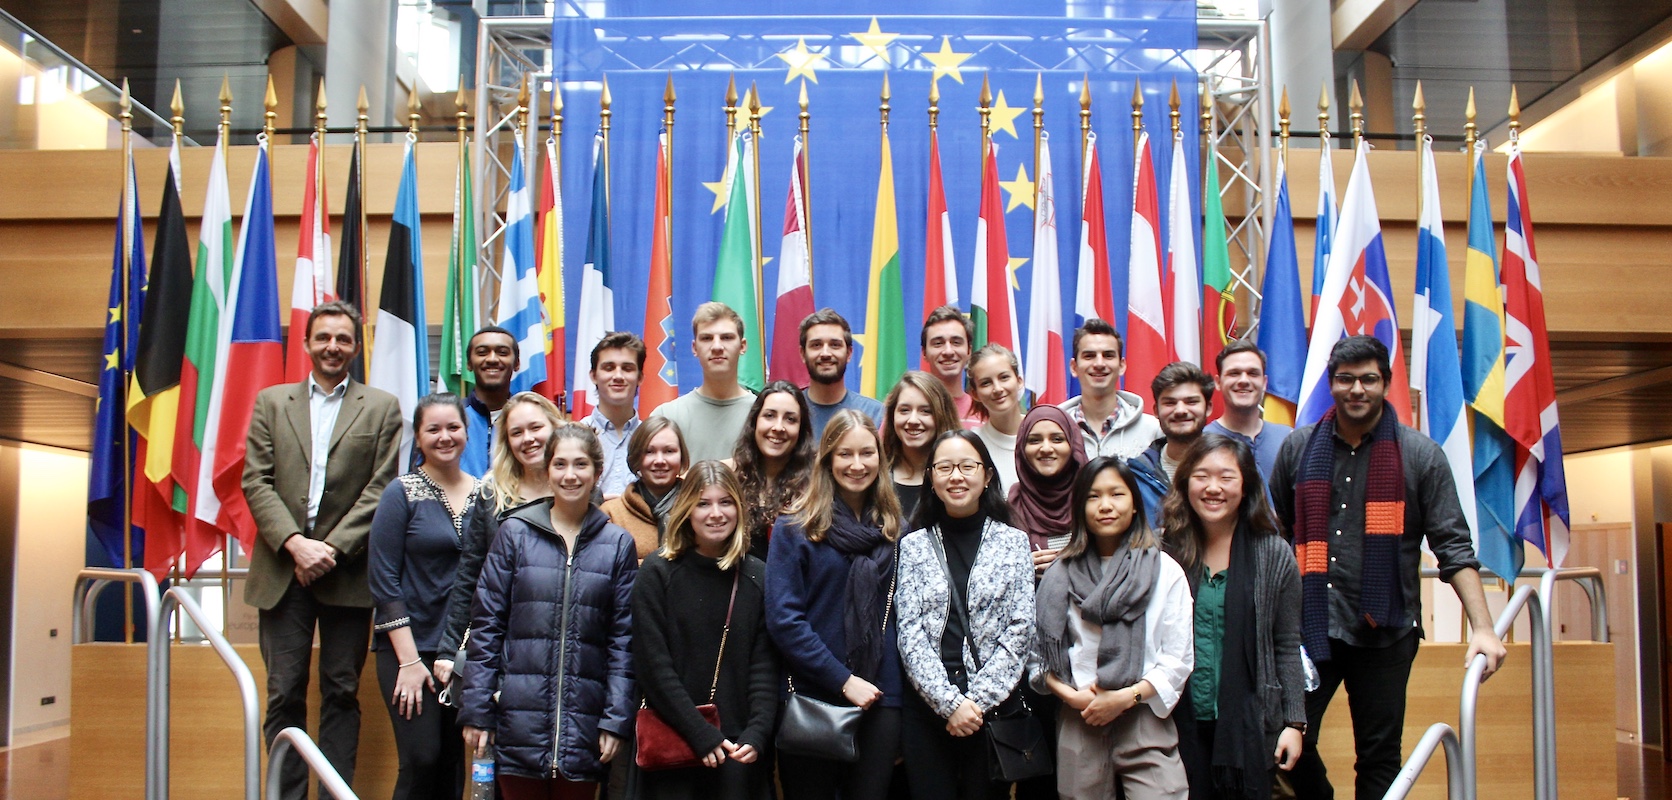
{"x": 660, "y": 381}
{"x": 884, "y": 360}
{"x": 251, "y": 359}
{"x": 735, "y": 274}
{"x": 315, "y": 282}
{"x": 940, "y": 275}
{"x": 197, "y": 366}
{"x": 1219, "y": 311}
{"x": 993, "y": 302}
{"x": 1146, "y": 338}
{"x": 795, "y": 288}
{"x": 1047, "y": 375}
{"x": 548, "y": 270}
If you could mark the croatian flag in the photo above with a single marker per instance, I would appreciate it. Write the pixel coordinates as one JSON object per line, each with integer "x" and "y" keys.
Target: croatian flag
{"x": 1357, "y": 299}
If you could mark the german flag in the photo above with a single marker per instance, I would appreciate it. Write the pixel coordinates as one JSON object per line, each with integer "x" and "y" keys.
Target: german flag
{"x": 154, "y": 390}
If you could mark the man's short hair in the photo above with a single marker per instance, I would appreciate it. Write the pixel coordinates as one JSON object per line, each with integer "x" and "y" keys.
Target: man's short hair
{"x": 714, "y": 310}
{"x": 826, "y": 316}
{"x": 1178, "y": 374}
{"x": 619, "y": 340}
{"x": 947, "y": 314}
{"x": 491, "y": 329}
{"x": 1359, "y": 349}
{"x": 1234, "y": 347}
{"x": 1097, "y": 327}
{"x": 334, "y": 308}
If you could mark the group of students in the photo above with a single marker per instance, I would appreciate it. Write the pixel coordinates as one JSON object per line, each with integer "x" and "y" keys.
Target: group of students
{"x": 931, "y": 574}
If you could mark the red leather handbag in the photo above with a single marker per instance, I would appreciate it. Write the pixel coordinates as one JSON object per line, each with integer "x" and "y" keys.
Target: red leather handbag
{"x": 659, "y": 745}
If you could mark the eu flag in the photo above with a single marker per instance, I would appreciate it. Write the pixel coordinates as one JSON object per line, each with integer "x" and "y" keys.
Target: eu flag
{"x": 111, "y": 467}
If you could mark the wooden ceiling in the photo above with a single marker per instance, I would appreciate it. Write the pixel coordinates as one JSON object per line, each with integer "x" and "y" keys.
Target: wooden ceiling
{"x": 1610, "y": 392}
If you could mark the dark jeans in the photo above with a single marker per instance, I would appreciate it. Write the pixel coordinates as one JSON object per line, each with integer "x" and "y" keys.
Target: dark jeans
{"x": 287, "y": 634}
{"x": 806, "y": 778}
{"x": 430, "y": 745}
{"x": 1375, "y": 679}
{"x": 942, "y": 766}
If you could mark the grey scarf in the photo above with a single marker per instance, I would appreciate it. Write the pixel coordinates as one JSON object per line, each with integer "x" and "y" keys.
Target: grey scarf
{"x": 1116, "y": 598}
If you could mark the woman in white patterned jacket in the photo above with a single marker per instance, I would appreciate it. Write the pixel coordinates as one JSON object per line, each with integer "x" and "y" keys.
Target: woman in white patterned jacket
{"x": 966, "y": 620}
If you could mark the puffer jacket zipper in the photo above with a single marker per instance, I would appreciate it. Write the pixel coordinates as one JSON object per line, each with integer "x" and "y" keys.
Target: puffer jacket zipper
{"x": 562, "y": 654}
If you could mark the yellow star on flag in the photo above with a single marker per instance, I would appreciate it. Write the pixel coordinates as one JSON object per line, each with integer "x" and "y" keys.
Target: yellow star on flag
{"x": 947, "y": 62}
{"x": 801, "y": 61}
{"x": 1004, "y": 119}
{"x": 877, "y": 40}
{"x": 115, "y": 315}
{"x": 110, "y": 360}
{"x": 719, "y": 189}
{"x": 1015, "y": 263}
{"x": 1021, "y": 190}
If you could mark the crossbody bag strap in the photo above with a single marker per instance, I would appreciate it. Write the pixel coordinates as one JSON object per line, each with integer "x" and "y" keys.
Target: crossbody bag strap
{"x": 714, "y": 685}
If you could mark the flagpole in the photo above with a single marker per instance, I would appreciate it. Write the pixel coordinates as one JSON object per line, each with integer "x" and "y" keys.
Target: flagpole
{"x": 1469, "y": 137}
{"x": 731, "y": 108}
{"x": 1323, "y": 118}
{"x": 1355, "y": 104}
{"x": 1283, "y": 128}
{"x": 668, "y": 98}
{"x": 1085, "y": 126}
{"x": 755, "y": 191}
{"x": 463, "y": 274}
{"x": 1137, "y": 114}
{"x": 805, "y": 172}
{"x": 361, "y": 123}
{"x": 1419, "y": 126}
{"x": 126, "y": 263}
{"x": 270, "y": 119}
{"x": 986, "y": 109}
{"x": 604, "y": 114}
{"x": 1038, "y": 128}
{"x": 177, "y": 107}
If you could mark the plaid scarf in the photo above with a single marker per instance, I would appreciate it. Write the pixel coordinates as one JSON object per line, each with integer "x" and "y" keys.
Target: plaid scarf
{"x": 1381, "y": 600}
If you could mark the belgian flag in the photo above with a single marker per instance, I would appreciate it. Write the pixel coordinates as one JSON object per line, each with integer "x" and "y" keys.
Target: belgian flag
{"x": 351, "y": 260}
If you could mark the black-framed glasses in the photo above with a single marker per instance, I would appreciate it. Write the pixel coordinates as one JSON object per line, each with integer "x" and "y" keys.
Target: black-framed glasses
{"x": 968, "y": 468}
{"x": 1345, "y": 380}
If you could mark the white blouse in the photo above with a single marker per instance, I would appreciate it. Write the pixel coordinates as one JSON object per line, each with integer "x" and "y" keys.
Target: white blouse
{"x": 1169, "y": 640}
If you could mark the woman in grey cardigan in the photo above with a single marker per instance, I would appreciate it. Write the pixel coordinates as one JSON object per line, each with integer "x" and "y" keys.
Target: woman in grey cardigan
{"x": 966, "y": 620}
{"x": 1245, "y": 704}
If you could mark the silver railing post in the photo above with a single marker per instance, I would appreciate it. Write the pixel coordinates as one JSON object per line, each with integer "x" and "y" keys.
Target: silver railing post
{"x": 158, "y": 664}
{"x": 296, "y": 739}
{"x": 1544, "y": 737}
{"x": 89, "y": 583}
{"x": 1467, "y": 702}
{"x": 1438, "y": 735}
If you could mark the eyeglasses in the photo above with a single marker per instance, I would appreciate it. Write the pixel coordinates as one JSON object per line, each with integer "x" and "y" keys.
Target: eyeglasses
{"x": 1345, "y": 380}
{"x": 968, "y": 468}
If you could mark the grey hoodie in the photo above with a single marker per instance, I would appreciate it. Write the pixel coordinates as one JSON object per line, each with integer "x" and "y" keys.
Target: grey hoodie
{"x": 1133, "y": 430}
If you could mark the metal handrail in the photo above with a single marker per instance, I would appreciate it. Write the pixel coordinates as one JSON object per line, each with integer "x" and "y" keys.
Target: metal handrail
{"x": 296, "y": 739}
{"x": 1589, "y": 578}
{"x": 1466, "y": 706}
{"x": 156, "y": 717}
{"x": 1438, "y": 735}
{"x": 1544, "y": 695}
{"x": 91, "y": 581}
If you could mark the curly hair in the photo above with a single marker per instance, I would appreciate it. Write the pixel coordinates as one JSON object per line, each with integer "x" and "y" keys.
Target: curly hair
{"x": 766, "y": 498}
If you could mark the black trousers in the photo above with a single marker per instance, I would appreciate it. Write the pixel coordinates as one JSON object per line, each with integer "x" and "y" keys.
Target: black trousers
{"x": 806, "y": 778}
{"x": 430, "y": 745}
{"x": 941, "y": 766}
{"x": 1375, "y": 678}
{"x": 287, "y": 635}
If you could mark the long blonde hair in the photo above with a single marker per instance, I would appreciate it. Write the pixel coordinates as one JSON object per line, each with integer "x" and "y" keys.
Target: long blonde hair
{"x": 506, "y": 474}
{"x": 680, "y": 537}
{"x": 815, "y": 512}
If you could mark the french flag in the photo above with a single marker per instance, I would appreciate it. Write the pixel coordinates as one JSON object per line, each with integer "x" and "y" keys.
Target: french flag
{"x": 1357, "y": 300}
{"x": 252, "y": 360}
{"x": 597, "y": 307}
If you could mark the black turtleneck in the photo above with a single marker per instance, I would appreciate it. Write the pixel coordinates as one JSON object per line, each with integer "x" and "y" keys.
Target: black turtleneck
{"x": 962, "y": 538}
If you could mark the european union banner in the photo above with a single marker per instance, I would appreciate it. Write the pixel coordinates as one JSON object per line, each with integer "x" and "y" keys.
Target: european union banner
{"x": 778, "y": 46}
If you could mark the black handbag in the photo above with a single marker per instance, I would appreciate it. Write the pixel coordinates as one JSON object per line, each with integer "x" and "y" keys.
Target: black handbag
{"x": 1016, "y": 745}
{"x": 813, "y": 728}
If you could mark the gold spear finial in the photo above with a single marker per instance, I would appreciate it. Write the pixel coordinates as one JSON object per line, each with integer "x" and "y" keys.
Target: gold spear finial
{"x": 1355, "y": 104}
{"x": 1323, "y": 108}
{"x": 934, "y": 104}
{"x": 731, "y": 103}
{"x": 126, "y": 104}
{"x": 668, "y": 96}
{"x": 1085, "y": 110}
{"x": 1418, "y": 119}
{"x": 802, "y": 101}
{"x": 178, "y": 107}
{"x": 272, "y": 105}
{"x": 361, "y": 106}
{"x": 1173, "y": 105}
{"x": 1514, "y": 113}
{"x": 557, "y": 109}
{"x": 1137, "y": 105}
{"x": 604, "y": 113}
{"x": 461, "y": 104}
{"x": 522, "y": 103}
{"x": 986, "y": 100}
{"x": 319, "y": 110}
{"x": 883, "y": 107}
{"x": 226, "y": 100}
{"x": 1283, "y": 124}
{"x": 412, "y": 112}
{"x": 1469, "y": 128}
{"x": 1207, "y": 110}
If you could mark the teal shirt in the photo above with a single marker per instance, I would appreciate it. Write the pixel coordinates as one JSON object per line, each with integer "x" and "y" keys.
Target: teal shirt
{"x": 1210, "y": 636}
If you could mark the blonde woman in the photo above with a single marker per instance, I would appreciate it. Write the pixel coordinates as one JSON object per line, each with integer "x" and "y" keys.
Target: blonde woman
{"x": 699, "y": 636}
{"x": 518, "y": 476}
{"x": 995, "y": 381}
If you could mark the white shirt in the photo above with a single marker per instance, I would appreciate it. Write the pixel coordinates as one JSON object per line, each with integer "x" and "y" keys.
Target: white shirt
{"x": 323, "y": 407}
{"x": 1169, "y": 640}
{"x": 1002, "y": 447}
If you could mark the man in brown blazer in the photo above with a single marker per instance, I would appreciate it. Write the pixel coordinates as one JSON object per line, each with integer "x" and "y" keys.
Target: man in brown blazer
{"x": 320, "y": 454}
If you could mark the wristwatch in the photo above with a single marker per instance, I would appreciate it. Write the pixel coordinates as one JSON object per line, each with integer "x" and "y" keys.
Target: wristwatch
{"x": 1137, "y": 695}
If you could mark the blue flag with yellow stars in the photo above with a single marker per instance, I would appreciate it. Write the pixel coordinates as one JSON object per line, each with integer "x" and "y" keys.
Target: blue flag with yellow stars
{"x": 111, "y": 468}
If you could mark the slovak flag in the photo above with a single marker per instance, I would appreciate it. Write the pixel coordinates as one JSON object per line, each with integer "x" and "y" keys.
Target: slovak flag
{"x": 1357, "y": 299}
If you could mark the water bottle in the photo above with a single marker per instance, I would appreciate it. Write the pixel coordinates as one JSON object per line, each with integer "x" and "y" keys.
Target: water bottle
{"x": 481, "y": 778}
{"x": 1313, "y": 679}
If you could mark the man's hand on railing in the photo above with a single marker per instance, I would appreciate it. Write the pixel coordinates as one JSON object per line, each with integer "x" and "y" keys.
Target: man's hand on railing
{"x": 1486, "y": 643}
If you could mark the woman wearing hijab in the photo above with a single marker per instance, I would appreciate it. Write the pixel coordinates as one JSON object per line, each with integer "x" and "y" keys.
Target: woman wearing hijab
{"x": 1050, "y": 453}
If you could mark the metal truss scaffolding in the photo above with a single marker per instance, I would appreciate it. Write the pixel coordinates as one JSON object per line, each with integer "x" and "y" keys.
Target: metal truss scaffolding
{"x": 1236, "y": 73}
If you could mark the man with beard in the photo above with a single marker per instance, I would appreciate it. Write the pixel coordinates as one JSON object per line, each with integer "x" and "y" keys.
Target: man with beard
{"x": 1242, "y": 382}
{"x": 320, "y": 453}
{"x": 492, "y": 357}
{"x": 1112, "y": 421}
{"x": 826, "y": 348}
{"x": 947, "y": 340}
{"x": 617, "y": 366}
{"x": 1358, "y": 493}
{"x": 1182, "y": 392}
{"x": 713, "y": 415}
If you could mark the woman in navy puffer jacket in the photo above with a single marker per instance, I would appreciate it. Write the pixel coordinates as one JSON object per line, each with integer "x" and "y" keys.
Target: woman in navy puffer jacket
{"x": 548, "y": 676}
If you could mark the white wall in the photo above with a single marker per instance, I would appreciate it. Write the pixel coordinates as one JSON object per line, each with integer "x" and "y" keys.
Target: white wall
{"x": 51, "y": 549}
{"x": 1599, "y": 487}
